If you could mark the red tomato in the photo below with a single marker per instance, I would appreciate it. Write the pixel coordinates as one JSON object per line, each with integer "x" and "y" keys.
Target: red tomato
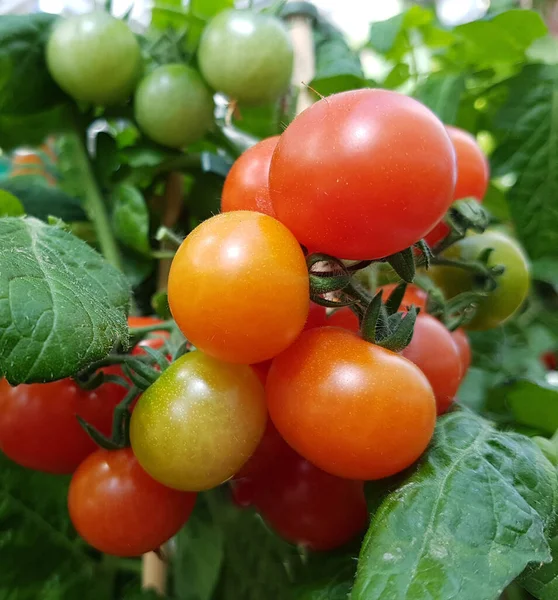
{"x": 464, "y": 346}
{"x": 436, "y": 354}
{"x": 316, "y": 316}
{"x": 350, "y": 407}
{"x": 413, "y": 296}
{"x": 155, "y": 340}
{"x": 324, "y": 189}
{"x": 549, "y": 361}
{"x": 231, "y": 264}
{"x": 119, "y": 509}
{"x": 247, "y": 184}
{"x": 38, "y": 425}
{"x": 344, "y": 318}
{"x": 472, "y": 175}
{"x": 305, "y": 505}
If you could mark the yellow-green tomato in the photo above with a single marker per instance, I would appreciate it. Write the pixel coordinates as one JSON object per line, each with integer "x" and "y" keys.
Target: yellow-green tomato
{"x": 198, "y": 424}
{"x": 512, "y": 285}
{"x": 173, "y": 105}
{"x": 94, "y": 58}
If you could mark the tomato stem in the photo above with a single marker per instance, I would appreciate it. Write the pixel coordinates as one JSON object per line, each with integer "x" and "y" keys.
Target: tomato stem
{"x": 164, "y": 326}
{"x": 94, "y": 203}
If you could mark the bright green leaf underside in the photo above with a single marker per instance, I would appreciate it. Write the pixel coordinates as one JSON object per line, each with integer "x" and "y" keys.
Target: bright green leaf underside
{"x": 62, "y": 306}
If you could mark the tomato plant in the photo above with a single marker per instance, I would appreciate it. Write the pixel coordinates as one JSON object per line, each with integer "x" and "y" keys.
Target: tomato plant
{"x": 320, "y": 171}
{"x": 246, "y": 56}
{"x": 247, "y": 184}
{"x": 198, "y": 424}
{"x": 94, "y": 58}
{"x": 119, "y": 509}
{"x": 331, "y": 396}
{"x": 232, "y": 263}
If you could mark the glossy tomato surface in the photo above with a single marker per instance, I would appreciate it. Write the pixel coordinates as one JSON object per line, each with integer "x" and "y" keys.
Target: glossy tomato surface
{"x": 350, "y": 407}
{"x": 246, "y": 55}
{"x": 238, "y": 287}
{"x": 472, "y": 175}
{"x": 247, "y": 183}
{"x": 305, "y": 505}
{"x": 325, "y": 191}
{"x": 94, "y": 58}
{"x": 198, "y": 424}
{"x": 464, "y": 346}
{"x": 512, "y": 285}
{"x": 38, "y": 424}
{"x": 119, "y": 509}
{"x": 173, "y": 105}
{"x": 436, "y": 354}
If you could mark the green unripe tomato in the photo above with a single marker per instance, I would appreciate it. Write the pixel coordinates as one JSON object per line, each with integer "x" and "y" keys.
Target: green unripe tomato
{"x": 247, "y": 56}
{"x": 198, "y": 424}
{"x": 512, "y": 285}
{"x": 94, "y": 58}
{"x": 173, "y": 105}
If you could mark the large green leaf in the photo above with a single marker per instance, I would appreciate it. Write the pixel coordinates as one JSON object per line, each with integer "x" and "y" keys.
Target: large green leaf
{"x": 467, "y": 523}
{"x": 442, "y": 92}
{"x": 62, "y": 305}
{"x": 10, "y": 206}
{"x": 25, "y": 84}
{"x": 542, "y": 582}
{"x": 528, "y": 123}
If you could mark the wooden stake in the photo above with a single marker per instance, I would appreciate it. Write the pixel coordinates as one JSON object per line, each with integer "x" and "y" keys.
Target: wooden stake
{"x": 300, "y": 27}
{"x": 154, "y": 573}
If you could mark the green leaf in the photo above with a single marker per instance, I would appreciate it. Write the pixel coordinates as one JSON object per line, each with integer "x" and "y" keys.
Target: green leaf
{"x": 496, "y": 203}
{"x": 25, "y": 84}
{"x": 338, "y": 68}
{"x": 503, "y": 38}
{"x": 466, "y": 523}
{"x": 130, "y": 218}
{"x": 325, "y": 577}
{"x": 529, "y": 125}
{"x": 400, "y": 73}
{"x": 543, "y": 582}
{"x": 10, "y": 206}
{"x": 442, "y": 93}
{"x": 383, "y": 35}
{"x": 31, "y": 129}
{"x": 200, "y": 549}
{"x": 546, "y": 269}
{"x": 62, "y": 306}
{"x": 530, "y": 403}
{"x": 42, "y": 201}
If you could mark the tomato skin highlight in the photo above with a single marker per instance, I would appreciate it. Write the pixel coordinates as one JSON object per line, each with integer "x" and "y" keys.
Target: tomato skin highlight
{"x": 228, "y": 265}
{"x": 38, "y": 425}
{"x": 473, "y": 175}
{"x": 464, "y": 346}
{"x": 323, "y": 189}
{"x": 351, "y": 408}
{"x": 436, "y": 354}
{"x": 199, "y": 423}
{"x": 119, "y": 509}
{"x": 306, "y": 505}
{"x": 247, "y": 183}
{"x": 94, "y": 58}
{"x": 512, "y": 286}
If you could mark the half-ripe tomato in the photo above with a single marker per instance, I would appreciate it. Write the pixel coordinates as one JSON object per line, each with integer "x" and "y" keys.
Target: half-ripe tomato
{"x": 472, "y": 175}
{"x": 305, "y": 505}
{"x": 323, "y": 188}
{"x": 436, "y": 354}
{"x": 350, "y": 407}
{"x": 38, "y": 425}
{"x": 344, "y": 318}
{"x": 198, "y": 424}
{"x": 119, "y": 509}
{"x": 464, "y": 346}
{"x": 512, "y": 286}
{"x": 238, "y": 287}
{"x": 247, "y": 184}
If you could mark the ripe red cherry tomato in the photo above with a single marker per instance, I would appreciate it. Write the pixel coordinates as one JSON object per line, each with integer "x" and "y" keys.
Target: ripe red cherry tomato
{"x": 436, "y": 354}
{"x": 464, "y": 346}
{"x": 119, "y": 509}
{"x": 350, "y": 407}
{"x": 317, "y": 316}
{"x": 247, "y": 184}
{"x": 305, "y": 505}
{"x": 38, "y": 425}
{"x": 230, "y": 264}
{"x": 472, "y": 175}
{"x": 323, "y": 188}
{"x": 344, "y": 318}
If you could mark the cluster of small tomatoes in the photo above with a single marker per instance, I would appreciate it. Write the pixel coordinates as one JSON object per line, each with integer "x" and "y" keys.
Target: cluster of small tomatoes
{"x": 285, "y": 399}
